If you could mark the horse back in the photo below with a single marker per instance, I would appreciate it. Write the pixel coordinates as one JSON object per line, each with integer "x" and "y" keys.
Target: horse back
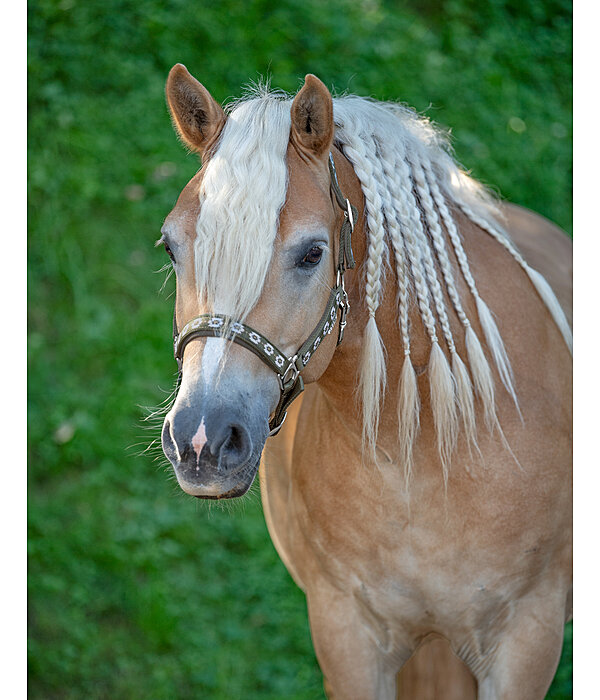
{"x": 546, "y": 248}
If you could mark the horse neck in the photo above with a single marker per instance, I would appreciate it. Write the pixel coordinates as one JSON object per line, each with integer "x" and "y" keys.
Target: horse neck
{"x": 340, "y": 380}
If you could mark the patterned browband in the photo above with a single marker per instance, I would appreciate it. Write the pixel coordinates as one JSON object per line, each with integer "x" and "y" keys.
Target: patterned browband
{"x": 287, "y": 368}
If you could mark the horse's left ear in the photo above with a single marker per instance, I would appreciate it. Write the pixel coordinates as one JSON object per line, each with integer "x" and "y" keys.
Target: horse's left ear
{"x": 312, "y": 117}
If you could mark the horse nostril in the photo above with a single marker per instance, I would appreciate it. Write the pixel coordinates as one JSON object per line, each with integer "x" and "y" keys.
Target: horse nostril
{"x": 209, "y": 443}
{"x": 169, "y": 445}
{"x": 188, "y": 455}
{"x": 232, "y": 444}
{"x": 236, "y": 438}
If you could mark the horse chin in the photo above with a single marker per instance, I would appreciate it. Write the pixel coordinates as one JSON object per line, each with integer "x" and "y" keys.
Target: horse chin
{"x": 214, "y": 487}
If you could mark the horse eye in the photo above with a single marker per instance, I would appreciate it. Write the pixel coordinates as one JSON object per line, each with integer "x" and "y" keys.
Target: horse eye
{"x": 313, "y": 256}
{"x": 169, "y": 252}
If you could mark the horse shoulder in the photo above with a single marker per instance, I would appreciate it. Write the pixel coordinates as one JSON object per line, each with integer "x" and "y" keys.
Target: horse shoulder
{"x": 534, "y": 344}
{"x": 535, "y": 495}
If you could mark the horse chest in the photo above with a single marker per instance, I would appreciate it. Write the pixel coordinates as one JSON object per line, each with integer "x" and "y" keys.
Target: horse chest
{"x": 450, "y": 563}
{"x": 399, "y": 571}
{"x": 413, "y": 567}
{"x": 399, "y": 595}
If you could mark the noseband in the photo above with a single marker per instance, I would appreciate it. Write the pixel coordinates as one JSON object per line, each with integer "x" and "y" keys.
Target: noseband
{"x": 287, "y": 368}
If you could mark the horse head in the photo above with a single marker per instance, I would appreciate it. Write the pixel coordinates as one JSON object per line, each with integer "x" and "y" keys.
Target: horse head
{"x": 254, "y": 241}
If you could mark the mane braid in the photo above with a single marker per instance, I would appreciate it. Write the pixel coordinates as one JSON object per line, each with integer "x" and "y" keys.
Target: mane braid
{"x": 464, "y": 389}
{"x": 373, "y": 370}
{"x": 410, "y": 184}
{"x": 540, "y": 284}
{"x": 482, "y": 376}
{"x": 408, "y": 394}
{"x": 404, "y": 166}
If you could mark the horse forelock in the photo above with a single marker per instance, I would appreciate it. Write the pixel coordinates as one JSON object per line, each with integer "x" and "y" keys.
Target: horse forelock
{"x": 242, "y": 192}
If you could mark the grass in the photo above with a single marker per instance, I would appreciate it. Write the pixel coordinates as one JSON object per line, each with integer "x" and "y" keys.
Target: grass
{"x": 135, "y": 590}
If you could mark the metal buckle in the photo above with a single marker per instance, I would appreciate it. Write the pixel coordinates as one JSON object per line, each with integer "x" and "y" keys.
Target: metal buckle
{"x": 344, "y": 308}
{"x": 344, "y": 304}
{"x": 283, "y": 378}
{"x": 348, "y": 213}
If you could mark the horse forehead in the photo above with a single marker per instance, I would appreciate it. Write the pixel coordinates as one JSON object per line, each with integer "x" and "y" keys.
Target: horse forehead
{"x": 308, "y": 197}
{"x": 184, "y": 214}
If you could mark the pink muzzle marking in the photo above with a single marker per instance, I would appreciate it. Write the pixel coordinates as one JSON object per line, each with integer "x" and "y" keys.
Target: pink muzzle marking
{"x": 199, "y": 440}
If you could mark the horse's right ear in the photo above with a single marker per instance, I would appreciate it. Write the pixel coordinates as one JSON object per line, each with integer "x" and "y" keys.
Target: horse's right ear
{"x": 197, "y": 117}
{"x": 312, "y": 117}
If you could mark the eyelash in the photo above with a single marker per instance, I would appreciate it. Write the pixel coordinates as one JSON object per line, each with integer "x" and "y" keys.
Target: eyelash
{"x": 168, "y": 251}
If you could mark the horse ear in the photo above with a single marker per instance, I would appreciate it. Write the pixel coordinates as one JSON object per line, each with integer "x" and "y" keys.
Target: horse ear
{"x": 197, "y": 117}
{"x": 312, "y": 117}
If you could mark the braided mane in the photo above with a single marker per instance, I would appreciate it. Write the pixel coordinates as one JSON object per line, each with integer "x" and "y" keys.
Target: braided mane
{"x": 409, "y": 180}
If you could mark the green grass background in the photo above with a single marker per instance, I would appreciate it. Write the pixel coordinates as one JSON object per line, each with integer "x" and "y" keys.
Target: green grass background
{"x": 136, "y": 591}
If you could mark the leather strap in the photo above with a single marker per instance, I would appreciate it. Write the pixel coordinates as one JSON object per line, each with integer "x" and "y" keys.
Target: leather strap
{"x": 345, "y": 255}
{"x": 287, "y": 368}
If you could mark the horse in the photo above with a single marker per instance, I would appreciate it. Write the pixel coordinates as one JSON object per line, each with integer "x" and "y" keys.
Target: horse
{"x": 355, "y": 320}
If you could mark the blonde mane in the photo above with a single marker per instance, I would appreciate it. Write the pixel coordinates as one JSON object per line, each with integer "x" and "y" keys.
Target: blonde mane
{"x": 410, "y": 182}
{"x": 242, "y": 192}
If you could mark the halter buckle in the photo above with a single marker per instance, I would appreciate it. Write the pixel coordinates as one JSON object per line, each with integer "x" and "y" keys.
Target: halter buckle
{"x": 344, "y": 308}
{"x": 284, "y": 379}
{"x": 349, "y": 215}
{"x": 344, "y": 305}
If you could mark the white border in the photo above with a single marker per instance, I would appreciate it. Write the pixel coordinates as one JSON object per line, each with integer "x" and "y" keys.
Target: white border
{"x": 586, "y": 236}
{"x": 13, "y": 523}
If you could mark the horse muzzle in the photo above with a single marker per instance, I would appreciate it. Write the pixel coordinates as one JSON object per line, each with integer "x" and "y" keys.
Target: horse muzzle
{"x": 215, "y": 448}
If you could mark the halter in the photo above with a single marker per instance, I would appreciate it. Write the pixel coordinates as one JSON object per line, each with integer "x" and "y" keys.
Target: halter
{"x": 287, "y": 369}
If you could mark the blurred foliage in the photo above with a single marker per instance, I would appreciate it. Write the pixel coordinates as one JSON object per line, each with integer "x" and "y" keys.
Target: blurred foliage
{"x": 135, "y": 590}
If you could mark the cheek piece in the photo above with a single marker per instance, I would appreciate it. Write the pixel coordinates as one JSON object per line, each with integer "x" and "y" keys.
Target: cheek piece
{"x": 288, "y": 369}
